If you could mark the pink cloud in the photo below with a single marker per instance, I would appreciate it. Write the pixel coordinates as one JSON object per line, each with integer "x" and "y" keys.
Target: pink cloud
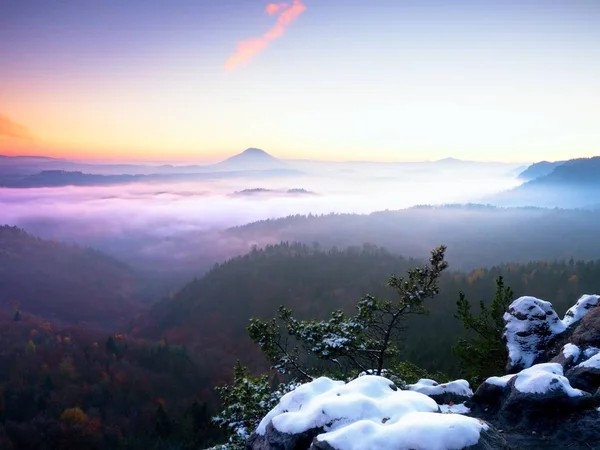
{"x": 248, "y": 49}
{"x": 274, "y": 8}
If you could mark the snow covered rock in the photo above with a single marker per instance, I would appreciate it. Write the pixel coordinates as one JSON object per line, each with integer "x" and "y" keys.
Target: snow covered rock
{"x": 530, "y": 324}
{"x": 568, "y": 356}
{"x": 367, "y": 413}
{"x": 426, "y": 431}
{"x": 534, "y": 395}
{"x": 586, "y": 375}
{"x": 580, "y": 309}
{"x": 452, "y": 392}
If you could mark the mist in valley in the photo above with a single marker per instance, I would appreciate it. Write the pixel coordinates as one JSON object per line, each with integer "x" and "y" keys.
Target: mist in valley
{"x": 176, "y": 228}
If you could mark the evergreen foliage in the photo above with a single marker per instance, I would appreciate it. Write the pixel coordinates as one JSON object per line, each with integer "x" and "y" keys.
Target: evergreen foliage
{"x": 483, "y": 354}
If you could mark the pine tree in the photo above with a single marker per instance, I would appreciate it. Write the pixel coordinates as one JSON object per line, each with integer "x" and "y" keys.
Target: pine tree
{"x": 483, "y": 353}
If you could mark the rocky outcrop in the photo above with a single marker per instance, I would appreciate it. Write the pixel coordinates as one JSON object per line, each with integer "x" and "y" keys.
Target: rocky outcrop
{"x": 547, "y": 400}
{"x": 530, "y": 399}
{"x": 272, "y": 439}
{"x": 534, "y": 333}
{"x": 586, "y": 376}
{"x": 531, "y": 324}
{"x": 587, "y": 332}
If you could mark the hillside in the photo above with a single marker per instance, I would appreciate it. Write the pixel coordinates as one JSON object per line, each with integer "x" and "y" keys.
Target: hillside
{"x": 539, "y": 169}
{"x": 62, "y": 282}
{"x": 571, "y": 184}
{"x": 210, "y": 314}
{"x": 477, "y": 235}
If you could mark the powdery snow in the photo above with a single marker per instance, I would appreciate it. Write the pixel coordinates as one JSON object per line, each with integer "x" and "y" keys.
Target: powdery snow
{"x": 294, "y": 400}
{"x": 459, "y": 408}
{"x": 539, "y": 379}
{"x": 580, "y": 309}
{"x": 431, "y": 387}
{"x": 368, "y": 414}
{"x": 593, "y": 362}
{"x": 500, "y": 381}
{"x": 423, "y": 431}
{"x": 590, "y": 351}
{"x": 571, "y": 351}
{"x": 545, "y": 377}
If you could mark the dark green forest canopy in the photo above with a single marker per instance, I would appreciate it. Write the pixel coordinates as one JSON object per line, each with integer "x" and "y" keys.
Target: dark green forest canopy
{"x": 211, "y": 314}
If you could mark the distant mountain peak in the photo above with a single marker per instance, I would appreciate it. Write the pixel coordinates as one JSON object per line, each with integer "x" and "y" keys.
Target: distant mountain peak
{"x": 255, "y": 152}
{"x": 251, "y": 159}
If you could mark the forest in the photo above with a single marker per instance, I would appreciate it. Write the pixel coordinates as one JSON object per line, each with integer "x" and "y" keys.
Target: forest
{"x": 149, "y": 379}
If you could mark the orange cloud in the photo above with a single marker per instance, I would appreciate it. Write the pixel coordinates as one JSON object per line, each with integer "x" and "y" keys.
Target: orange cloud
{"x": 274, "y": 8}
{"x": 248, "y": 49}
{"x": 11, "y": 129}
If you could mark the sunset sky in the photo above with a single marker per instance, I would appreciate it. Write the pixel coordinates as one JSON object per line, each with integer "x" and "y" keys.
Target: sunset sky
{"x": 196, "y": 80}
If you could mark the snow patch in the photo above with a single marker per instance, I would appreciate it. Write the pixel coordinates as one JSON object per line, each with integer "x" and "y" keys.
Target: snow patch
{"x": 538, "y": 379}
{"x": 459, "y": 408}
{"x": 423, "y": 431}
{"x": 500, "y": 381}
{"x": 590, "y": 351}
{"x": 592, "y": 363}
{"x": 431, "y": 387}
{"x": 543, "y": 378}
{"x": 580, "y": 309}
{"x": 571, "y": 351}
{"x": 294, "y": 400}
{"x": 371, "y": 413}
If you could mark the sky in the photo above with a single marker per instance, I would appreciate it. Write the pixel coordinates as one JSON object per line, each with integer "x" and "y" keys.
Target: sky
{"x": 382, "y": 80}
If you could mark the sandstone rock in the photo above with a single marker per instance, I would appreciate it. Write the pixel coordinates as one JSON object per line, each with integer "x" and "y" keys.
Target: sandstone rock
{"x": 534, "y": 398}
{"x": 531, "y": 324}
{"x": 587, "y": 333}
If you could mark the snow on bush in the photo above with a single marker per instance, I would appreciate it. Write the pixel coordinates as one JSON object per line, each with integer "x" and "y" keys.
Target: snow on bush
{"x": 539, "y": 379}
{"x": 370, "y": 412}
{"x": 580, "y": 309}
{"x": 431, "y": 387}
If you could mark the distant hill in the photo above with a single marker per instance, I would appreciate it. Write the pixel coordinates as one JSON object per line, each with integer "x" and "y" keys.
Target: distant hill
{"x": 477, "y": 235}
{"x": 65, "y": 283}
{"x": 250, "y": 159}
{"x": 539, "y": 169}
{"x": 262, "y": 191}
{"x": 570, "y": 184}
{"x": 57, "y": 178}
